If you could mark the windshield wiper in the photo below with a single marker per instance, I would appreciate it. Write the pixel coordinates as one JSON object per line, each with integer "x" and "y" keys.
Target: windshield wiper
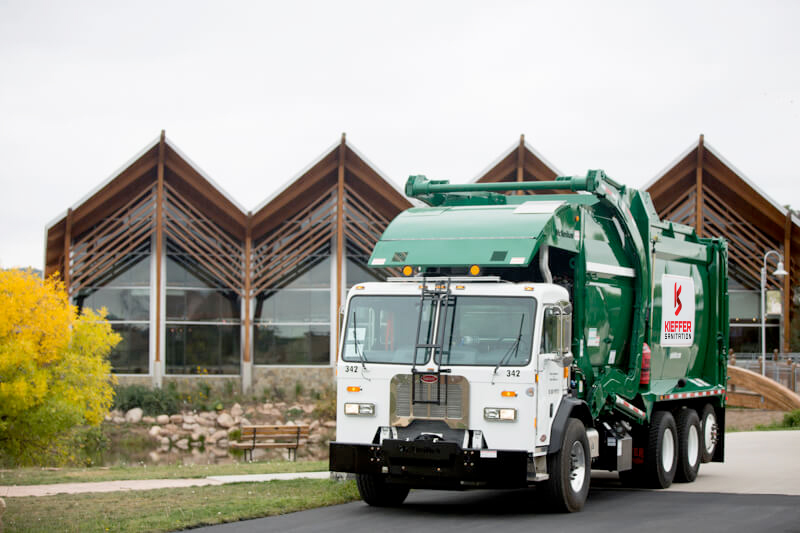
{"x": 360, "y": 355}
{"x": 513, "y": 348}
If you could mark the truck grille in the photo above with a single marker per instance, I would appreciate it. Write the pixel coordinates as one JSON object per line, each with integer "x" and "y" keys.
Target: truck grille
{"x": 453, "y": 405}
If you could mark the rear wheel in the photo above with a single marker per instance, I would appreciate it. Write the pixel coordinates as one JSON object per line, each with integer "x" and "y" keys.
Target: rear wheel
{"x": 708, "y": 433}
{"x": 570, "y": 471}
{"x": 689, "y": 442}
{"x": 376, "y": 492}
{"x": 661, "y": 455}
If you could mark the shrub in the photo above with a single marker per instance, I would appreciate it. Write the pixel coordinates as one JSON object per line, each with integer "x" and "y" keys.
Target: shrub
{"x": 54, "y": 371}
{"x": 792, "y": 419}
{"x": 325, "y": 406}
{"x": 153, "y": 401}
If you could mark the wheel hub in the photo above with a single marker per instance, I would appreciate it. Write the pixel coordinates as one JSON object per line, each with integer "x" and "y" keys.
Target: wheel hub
{"x": 577, "y": 466}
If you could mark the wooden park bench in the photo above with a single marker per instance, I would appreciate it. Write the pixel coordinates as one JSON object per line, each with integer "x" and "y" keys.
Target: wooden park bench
{"x": 275, "y": 436}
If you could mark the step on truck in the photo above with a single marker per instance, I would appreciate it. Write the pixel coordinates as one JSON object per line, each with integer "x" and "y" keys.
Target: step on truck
{"x": 526, "y": 339}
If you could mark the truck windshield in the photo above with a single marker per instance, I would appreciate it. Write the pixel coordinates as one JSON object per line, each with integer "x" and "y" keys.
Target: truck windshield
{"x": 381, "y": 329}
{"x": 487, "y": 331}
{"x": 480, "y": 330}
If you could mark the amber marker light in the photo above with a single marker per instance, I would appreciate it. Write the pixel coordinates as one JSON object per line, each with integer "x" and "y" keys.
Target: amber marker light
{"x": 528, "y": 288}
{"x": 566, "y": 371}
{"x": 508, "y": 394}
{"x": 359, "y": 287}
{"x": 407, "y": 270}
{"x": 474, "y": 270}
{"x": 353, "y": 389}
{"x": 460, "y": 287}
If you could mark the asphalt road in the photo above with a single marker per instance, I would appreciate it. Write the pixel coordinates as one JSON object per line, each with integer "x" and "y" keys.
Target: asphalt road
{"x": 757, "y": 489}
{"x": 619, "y": 511}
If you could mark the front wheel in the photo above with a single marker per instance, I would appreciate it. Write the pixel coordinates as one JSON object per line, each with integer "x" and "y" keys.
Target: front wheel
{"x": 570, "y": 471}
{"x": 377, "y": 492}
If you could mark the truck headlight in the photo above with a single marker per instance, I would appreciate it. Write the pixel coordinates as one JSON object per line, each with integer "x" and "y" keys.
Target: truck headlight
{"x": 359, "y": 409}
{"x": 500, "y": 413}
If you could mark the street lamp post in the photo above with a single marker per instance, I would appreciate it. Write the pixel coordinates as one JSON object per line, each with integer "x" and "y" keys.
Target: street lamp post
{"x": 779, "y": 271}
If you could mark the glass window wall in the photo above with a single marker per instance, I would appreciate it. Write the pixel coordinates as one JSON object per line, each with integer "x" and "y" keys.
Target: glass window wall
{"x": 124, "y": 292}
{"x": 203, "y": 318}
{"x": 292, "y": 322}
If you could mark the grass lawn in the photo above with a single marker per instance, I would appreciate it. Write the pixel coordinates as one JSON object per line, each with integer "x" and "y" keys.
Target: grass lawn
{"x": 40, "y": 476}
{"x": 172, "y": 509}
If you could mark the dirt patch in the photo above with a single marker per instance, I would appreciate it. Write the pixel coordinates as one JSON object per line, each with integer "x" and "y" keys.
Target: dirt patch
{"x": 737, "y": 419}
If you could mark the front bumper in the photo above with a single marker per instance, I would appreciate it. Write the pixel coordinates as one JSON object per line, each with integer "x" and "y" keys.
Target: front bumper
{"x": 427, "y": 464}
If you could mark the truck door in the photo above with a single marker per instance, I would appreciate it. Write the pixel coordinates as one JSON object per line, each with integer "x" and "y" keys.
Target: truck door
{"x": 552, "y": 366}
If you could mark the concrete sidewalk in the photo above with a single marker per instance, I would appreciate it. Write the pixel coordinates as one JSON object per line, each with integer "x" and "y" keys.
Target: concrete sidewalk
{"x": 762, "y": 462}
{"x": 17, "y": 491}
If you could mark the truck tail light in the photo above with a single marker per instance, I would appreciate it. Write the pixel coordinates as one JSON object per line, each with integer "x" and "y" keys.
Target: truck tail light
{"x": 644, "y": 379}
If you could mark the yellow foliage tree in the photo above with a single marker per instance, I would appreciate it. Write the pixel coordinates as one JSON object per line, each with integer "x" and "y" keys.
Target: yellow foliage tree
{"x": 54, "y": 371}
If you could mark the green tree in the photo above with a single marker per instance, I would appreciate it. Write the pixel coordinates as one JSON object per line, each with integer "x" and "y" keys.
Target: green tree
{"x": 54, "y": 371}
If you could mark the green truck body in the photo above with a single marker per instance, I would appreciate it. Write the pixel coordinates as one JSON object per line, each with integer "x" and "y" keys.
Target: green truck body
{"x": 617, "y": 250}
{"x": 648, "y": 301}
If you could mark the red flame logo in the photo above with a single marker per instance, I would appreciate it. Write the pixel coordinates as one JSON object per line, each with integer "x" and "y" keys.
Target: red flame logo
{"x": 678, "y": 304}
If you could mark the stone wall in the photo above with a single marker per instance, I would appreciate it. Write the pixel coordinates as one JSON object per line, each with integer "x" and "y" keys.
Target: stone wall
{"x": 264, "y": 377}
{"x": 147, "y": 381}
{"x": 218, "y": 384}
{"x": 287, "y": 378}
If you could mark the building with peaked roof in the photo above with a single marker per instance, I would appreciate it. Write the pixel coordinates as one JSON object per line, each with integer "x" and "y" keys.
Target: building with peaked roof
{"x": 197, "y": 285}
{"x": 702, "y": 189}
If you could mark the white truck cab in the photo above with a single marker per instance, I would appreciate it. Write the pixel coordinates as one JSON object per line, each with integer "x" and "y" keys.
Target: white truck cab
{"x": 451, "y": 382}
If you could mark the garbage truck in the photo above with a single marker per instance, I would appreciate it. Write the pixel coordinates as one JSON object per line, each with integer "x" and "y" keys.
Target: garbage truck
{"x": 528, "y": 333}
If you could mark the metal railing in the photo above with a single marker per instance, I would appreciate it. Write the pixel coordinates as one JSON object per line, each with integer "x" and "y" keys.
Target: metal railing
{"x": 783, "y": 368}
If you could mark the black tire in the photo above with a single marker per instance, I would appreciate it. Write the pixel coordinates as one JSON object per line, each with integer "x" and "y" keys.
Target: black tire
{"x": 689, "y": 444}
{"x": 570, "y": 471}
{"x": 661, "y": 454}
{"x": 376, "y": 492}
{"x": 709, "y": 433}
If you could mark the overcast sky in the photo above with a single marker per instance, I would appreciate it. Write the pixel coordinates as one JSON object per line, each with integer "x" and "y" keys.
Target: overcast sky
{"x": 253, "y": 91}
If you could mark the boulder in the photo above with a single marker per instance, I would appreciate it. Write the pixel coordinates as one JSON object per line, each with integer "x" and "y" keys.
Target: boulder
{"x": 245, "y": 422}
{"x": 134, "y": 416}
{"x": 188, "y": 419}
{"x": 194, "y": 436}
{"x": 222, "y": 443}
{"x": 176, "y": 419}
{"x": 190, "y": 427}
{"x": 217, "y": 435}
{"x": 329, "y": 424}
{"x": 219, "y": 453}
{"x": 225, "y": 420}
{"x": 313, "y": 425}
{"x": 154, "y": 457}
{"x": 162, "y": 420}
{"x": 236, "y": 410}
{"x": 149, "y": 420}
{"x": 205, "y": 421}
{"x": 164, "y": 441}
{"x": 118, "y": 419}
{"x": 155, "y": 431}
{"x": 183, "y": 444}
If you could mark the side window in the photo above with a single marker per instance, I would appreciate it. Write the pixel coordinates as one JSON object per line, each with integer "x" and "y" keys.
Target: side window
{"x": 557, "y": 329}
{"x": 550, "y": 329}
